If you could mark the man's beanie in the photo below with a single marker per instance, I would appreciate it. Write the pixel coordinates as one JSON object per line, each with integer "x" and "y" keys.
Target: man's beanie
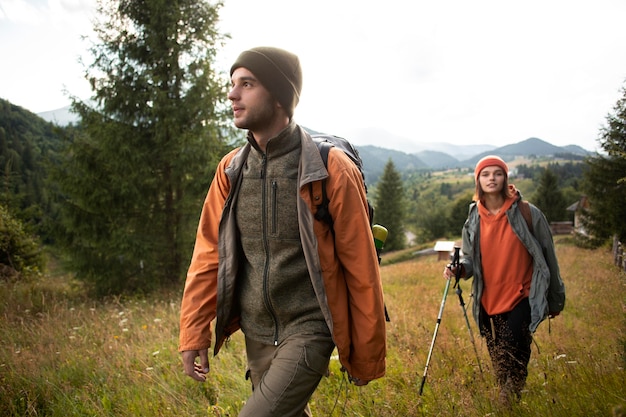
{"x": 278, "y": 70}
{"x": 488, "y": 161}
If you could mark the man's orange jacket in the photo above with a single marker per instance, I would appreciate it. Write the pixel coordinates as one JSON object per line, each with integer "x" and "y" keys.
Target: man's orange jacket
{"x": 343, "y": 267}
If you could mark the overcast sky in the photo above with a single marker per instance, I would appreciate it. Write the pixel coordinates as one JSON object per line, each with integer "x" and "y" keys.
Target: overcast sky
{"x": 463, "y": 72}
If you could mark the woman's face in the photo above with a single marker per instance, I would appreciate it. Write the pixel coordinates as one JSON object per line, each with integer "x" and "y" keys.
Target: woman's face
{"x": 491, "y": 179}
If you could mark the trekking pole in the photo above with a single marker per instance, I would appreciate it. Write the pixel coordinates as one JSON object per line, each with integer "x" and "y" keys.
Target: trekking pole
{"x": 459, "y": 292}
{"x": 432, "y": 343}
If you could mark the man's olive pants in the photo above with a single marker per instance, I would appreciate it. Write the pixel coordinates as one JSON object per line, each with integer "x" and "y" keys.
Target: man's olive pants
{"x": 285, "y": 376}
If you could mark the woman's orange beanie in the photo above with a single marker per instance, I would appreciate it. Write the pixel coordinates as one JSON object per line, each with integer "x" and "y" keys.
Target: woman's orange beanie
{"x": 490, "y": 160}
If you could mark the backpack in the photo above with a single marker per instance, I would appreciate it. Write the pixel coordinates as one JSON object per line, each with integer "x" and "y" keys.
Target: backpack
{"x": 524, "y": 208}
{"x": 324, "y": 143}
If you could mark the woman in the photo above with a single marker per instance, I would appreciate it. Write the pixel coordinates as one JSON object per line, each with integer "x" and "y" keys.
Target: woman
{"x": 517, "y": 283}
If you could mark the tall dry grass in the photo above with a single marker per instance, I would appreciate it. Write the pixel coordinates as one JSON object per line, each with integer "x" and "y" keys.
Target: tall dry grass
{"x": 63, "y": 354}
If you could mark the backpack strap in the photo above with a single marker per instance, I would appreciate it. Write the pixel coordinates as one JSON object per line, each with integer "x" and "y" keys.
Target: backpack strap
{"x": 323, "y": 213}
{"x": 524, "y": 208}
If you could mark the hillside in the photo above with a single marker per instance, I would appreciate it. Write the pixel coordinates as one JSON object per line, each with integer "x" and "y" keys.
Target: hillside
{"x": 27, "y": 142}
{"x": 375, "y": 158}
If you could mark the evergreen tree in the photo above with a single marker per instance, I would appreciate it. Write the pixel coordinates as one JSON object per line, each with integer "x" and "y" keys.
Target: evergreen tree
{"x": 389, "y": 206}
{"x": 137, "y": 167}
{"x": 549, "y": 198}
{"x": 604, "y": 180}
{"x": 458, "y": 214}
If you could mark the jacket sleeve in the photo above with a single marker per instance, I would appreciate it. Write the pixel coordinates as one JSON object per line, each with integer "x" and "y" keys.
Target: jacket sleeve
{"x": 355, "y": 250}
{"x": 543, "y": 235}
{"x": 468, "y": 235}
{"x": 198, "y": 306}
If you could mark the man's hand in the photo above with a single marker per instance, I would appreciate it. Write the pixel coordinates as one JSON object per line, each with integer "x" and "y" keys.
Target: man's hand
{"x": 356, "y": 381}
{"x": 197, "y": 371}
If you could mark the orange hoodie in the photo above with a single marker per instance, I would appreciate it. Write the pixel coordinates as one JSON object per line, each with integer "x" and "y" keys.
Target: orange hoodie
{"x": 506, "y": 264}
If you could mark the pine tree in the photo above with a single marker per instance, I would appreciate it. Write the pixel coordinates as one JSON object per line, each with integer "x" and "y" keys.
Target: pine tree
{"x": 458, "y": 214}
{"x": 389, "y": 211}
{"x": 138, "y": 166}
{"x": 549, "y": 198}
{"x": 605, "y": 181}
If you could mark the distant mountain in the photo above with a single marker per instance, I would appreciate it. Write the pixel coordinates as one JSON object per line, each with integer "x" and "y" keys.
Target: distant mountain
{"x": 380, "y": 137}
{"x": 530, "y": 147}
{"x": 438, "y": 160}
{"x": 375, "y": 158}
{"x": 61, "y": 117}
{"x": 407, "y": 154}
{"x": 576, "y": 150}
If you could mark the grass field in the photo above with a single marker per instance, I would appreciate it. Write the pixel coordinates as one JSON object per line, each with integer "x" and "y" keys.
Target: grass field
{"x": 63, "y": 354}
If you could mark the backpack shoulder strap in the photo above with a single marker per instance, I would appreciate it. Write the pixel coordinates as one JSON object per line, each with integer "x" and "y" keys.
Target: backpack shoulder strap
{"x": 524, "y": 208}
{"x": 324, "y": 148}
{"x": 323, "y": 213}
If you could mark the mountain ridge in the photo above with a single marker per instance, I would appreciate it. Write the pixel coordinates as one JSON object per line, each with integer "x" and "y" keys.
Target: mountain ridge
{"x": 407, "y": 155}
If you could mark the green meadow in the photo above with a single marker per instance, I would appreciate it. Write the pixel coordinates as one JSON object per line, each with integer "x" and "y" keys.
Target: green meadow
{"x": 64, "y": 354}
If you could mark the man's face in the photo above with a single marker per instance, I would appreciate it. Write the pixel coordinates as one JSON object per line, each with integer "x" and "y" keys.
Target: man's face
{"x": 491, "y": 179}
{"x": 253, "y": 105}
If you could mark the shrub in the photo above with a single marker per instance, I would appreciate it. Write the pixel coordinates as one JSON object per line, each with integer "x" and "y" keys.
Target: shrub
{"x": 20, "y": 253}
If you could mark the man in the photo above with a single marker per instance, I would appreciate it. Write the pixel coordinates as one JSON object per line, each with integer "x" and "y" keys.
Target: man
{"x": 263, "y": 264}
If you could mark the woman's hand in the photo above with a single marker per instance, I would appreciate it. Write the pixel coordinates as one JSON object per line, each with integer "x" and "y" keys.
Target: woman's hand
{"x": 450, "y": 271}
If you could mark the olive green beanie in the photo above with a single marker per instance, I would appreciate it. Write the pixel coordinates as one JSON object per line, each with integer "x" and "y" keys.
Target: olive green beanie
{"x": 278, "y": 70}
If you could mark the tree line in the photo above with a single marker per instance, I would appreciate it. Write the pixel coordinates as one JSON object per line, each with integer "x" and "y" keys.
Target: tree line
{"x": 117, "y": 196}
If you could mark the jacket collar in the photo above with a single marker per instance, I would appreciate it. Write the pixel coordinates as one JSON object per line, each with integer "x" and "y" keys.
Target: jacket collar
{"x": 311, "y": 165}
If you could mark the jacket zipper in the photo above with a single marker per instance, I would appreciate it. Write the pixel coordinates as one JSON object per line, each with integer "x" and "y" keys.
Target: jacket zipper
{"x": 274, "y": 198}
{"x": 266, "y": 296}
